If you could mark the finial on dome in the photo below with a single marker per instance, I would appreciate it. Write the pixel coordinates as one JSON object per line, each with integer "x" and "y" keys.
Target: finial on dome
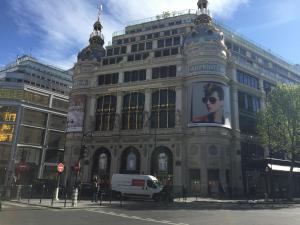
{"x": 97, "y": 37}
{"x": 203, "y": 13}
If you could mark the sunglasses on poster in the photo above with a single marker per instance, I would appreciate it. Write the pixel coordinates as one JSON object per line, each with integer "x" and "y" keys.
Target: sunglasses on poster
{"x": 212, "y": 100}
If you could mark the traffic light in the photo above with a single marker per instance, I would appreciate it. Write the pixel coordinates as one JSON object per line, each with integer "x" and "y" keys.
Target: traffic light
{"x": 83, "y": 152}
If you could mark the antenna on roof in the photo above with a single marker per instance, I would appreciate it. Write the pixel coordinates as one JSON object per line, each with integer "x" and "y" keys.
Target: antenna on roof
{"x": 100, "y": 8}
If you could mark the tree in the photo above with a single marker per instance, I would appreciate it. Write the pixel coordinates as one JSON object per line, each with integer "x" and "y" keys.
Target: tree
{"x": 279, "y": 123}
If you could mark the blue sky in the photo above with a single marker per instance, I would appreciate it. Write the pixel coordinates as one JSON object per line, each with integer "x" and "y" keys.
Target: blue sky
{"x": 54, "y": 31}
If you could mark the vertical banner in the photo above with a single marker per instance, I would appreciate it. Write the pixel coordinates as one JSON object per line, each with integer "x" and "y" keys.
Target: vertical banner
{"x": 76, "y": 113}
{"x": 209, "y": 104}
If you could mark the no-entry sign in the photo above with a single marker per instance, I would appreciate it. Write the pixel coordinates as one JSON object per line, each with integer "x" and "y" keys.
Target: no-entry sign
{"x": 60, "y": 167}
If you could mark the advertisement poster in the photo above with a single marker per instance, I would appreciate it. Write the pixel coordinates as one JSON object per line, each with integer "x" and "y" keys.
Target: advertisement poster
{"x": 76, "y": 113}
{"x": 209, "y": 104}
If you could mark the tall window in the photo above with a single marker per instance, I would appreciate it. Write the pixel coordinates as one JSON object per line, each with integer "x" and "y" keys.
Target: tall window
{"x": 132, "y": 114}
{"x": 106, "y": 111}
{"x": 163, "y": 109}
{"x": 247, "y": 79}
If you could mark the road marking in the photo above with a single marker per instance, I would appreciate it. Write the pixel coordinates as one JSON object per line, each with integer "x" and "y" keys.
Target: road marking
{"x": 135, "y": 217}
{"x": 15, "y": 204}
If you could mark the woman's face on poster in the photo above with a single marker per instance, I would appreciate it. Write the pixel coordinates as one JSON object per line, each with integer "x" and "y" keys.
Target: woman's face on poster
{"x": 213, "y": 102}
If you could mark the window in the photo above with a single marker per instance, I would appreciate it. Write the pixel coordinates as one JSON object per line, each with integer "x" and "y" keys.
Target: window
{"x": 142, "y": 37}
{"x": 134, "y": 48}
{"x": 141, "y": 46}
{"x": 56, "y": 140}
{"x": 176, "y": 40}
{"x": 149, "y": 45}
{"x": 132, "y": 113}
{"x": 123, "y": 49}
{"x": 174, "y": 51}
{"x": 58, "y": 122}
{"x": 109, "y": 52}
{"x": 135, "y": 75}
{"x": 248, "y": 103}
{"x": 166, "y": 52}
{"x": 161, "y": 43}
{"x": 106, "y": 112}
{"x": 157, "y": 54}
{"x": 247, "y": 79}
{"x": 163, "y": 109}
{"x": 168, "y": 42}
{"x": 111, "y": 78}
{"x": 149, "y": 36}
{"x": 126, "y": 40}
{"x": 116, "y": 51}
{"x": 167, "y": 33}
{"x": 8, "y": 114}
{"x": 6, "y": 132}
{"x": 34, "y": 136}
{"x": 164, "y": 71}
{"x": 34, "y": 118}
{"x": 175, "y": 31}
{"x": 105, "y": 62}
{"x": 130, "y": 58}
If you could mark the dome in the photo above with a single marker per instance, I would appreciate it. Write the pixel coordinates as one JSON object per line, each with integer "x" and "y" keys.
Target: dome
{"x": 92, "y": 53}
{"x": 205, "y": 33}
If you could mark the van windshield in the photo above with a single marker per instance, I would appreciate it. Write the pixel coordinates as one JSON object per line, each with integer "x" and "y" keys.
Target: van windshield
{"x": 156, "y": 182}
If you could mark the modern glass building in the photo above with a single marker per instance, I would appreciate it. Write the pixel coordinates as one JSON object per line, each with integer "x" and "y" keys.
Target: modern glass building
{"x": 175, "y": 96}
{"x": 34, "y": 101}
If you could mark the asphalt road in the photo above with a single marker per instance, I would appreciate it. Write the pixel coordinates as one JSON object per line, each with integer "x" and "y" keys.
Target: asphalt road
{"x": 18, "y": 214}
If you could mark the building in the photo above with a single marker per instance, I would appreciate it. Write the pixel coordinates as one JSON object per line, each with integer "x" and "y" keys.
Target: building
{"x": 175, "y": 96}
{"x": 34, "y": 101}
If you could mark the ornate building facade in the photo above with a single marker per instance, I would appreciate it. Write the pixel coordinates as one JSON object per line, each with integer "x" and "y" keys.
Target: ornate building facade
{"x": 174, "y": 96}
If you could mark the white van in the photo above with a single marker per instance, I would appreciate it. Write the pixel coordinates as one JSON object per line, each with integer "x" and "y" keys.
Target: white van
{"x": 135, "y": 185}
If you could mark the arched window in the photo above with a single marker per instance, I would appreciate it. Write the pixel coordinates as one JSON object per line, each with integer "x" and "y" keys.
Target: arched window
{"x": 163, "y": 109}
{"x": 103, "y": 162}
{"x": 132, "y": 113}
{"x": 106, "y": 112}
{"x": 131, "y": 162}
{"x": 162, "y": 162}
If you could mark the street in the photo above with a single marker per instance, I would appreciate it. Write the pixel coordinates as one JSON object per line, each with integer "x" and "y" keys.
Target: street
{"x": 21, "y": 214}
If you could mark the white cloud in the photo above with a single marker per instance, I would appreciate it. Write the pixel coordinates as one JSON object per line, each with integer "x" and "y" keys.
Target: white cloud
{"x": 63, "y": 27}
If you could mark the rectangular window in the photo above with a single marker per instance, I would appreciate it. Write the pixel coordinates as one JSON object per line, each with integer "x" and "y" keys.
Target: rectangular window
{"x": 111, "y": 78}
{"x": 247, "y": 79}
{"x": 6, "y": 133}
{"x": 157, "y": 54}
{"x": 134, "y": 48}
{"x": 130, "y": 58}
{"x": 166, "y": 52}
{"x": 161, "y": 43}
{"x": 138, "y": 57}
{"x": 149, "y": 36}
{"x": 105, "y": 62}
{"x": 174, "y": 51}
{"x": 33, "y": 136}
{"x": 142, "y": 37}
{"x": 135, "y": 75}
{"x": 164, "y": 71}
{"x": 168, "y": 42}
{"x": 34, "y": 118}
{"x": 149, "y": 45}
{"x": 123, "y": 49}
{"x": 109, "y": 52}
{"x": 126, "y": 40}
{"x": 176, "y": 40}
{"x": 57, "y": 122}
{"x": 141, "y": 46}
{"x": 56, "y": 140}
{"x": 116, "y": 51}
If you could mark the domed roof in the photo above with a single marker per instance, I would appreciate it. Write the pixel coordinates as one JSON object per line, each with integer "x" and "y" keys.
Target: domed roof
{"x": 95, "y": 50}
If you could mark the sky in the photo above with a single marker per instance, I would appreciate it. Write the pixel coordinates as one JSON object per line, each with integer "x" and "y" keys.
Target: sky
{"x": 54, "y": 31}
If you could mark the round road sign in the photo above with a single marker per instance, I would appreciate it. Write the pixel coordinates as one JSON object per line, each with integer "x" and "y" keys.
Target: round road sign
{"x": 60, "y": 167}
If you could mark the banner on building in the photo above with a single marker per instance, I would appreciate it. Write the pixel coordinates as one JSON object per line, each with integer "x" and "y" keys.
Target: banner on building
{"x": 76, "y": 113}
{"x": 209, "y": 104}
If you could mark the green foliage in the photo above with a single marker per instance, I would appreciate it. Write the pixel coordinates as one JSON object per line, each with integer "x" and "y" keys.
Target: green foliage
{"x": 279, "y": 122}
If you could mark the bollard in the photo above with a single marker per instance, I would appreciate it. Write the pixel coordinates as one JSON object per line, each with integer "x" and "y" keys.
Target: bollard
{"x": 42, "y": 193}
{"x": 74, "y": 197}
{"x": 52, "y": 200}
{"x": 19, "y": 188}
{"x": 0, "y": 201}
{"x": 29, "y": 193}
{"x": 101, "y": 198}
{"x": 66, "y": 196}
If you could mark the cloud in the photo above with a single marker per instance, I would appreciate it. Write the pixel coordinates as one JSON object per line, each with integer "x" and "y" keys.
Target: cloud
{"x": 61, "y": 28}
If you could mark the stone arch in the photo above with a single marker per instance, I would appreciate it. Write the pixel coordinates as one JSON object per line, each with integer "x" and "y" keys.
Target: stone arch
{"x": 101, "y": 165}
{"x": 162, "y": 163}
{"x": 130, "y": 161}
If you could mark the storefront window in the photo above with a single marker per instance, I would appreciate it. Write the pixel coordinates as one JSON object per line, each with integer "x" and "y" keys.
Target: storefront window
{"x": 34, "y": 136}
{"x": 4, "y": 152}
{"x": 58, "y": 122}
{"x": 8, "y": 113}
{"x": 56, "y": 140}
{"x": 28, "y": 154}
{"x": 60, "y": 104}
{"x": 34, "y": 118}
{"x": 6, "y": 132}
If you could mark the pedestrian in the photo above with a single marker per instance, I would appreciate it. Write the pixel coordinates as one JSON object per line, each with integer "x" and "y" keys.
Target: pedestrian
{"x": 95, "y": 190}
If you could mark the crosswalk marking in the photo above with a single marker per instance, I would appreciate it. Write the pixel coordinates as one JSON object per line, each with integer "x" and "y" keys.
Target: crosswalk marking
{"x": 135, "y": 217}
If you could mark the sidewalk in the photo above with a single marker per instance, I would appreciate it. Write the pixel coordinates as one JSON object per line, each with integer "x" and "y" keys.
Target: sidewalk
{"x": 178, "y": 203}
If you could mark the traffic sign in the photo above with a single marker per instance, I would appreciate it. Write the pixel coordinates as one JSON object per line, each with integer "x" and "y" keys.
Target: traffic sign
{"x": 60, "y": 167}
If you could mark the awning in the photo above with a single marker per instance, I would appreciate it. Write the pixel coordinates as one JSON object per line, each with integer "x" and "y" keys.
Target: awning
{"x": 283, "y": 168}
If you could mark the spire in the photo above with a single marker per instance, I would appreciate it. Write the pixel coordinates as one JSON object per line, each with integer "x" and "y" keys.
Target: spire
{"x": 96, "y": 36}
{"x": 203, "y": 13}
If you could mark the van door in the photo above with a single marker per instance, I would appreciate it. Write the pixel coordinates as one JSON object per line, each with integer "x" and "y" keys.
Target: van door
{"x": 151, "y": 188}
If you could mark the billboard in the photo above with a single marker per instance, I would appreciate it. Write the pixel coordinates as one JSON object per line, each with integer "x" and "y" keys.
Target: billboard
{"x": 76, "y": 113}
{"x": 209, "y": 104}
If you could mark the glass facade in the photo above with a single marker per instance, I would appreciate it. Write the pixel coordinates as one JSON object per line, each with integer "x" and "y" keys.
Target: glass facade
{"x": 34, "y": 118}
{"x": 6, "y": 132}
{"x": 8, "y": 114}
{"x": 57, "y": 122}
{"x": 56, "y": 140}
{"x": 29, "y": 154}
{"x": 33, "y": 136}
{"x": 59, "y": 104}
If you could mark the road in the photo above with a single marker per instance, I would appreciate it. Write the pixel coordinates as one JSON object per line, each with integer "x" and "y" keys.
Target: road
{"x": 19, "y": 214}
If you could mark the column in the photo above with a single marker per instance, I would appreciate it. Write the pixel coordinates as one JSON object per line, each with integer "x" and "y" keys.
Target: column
{"x": 178, "y": 107}
{"x": 121, "y": 78}
{"x": 234, "y": 107}
{"x": 90, "y": 113}
{"x": 148, "y": 74}
{"x": 117, "y": 125}
{"x": 147, "y": 109}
